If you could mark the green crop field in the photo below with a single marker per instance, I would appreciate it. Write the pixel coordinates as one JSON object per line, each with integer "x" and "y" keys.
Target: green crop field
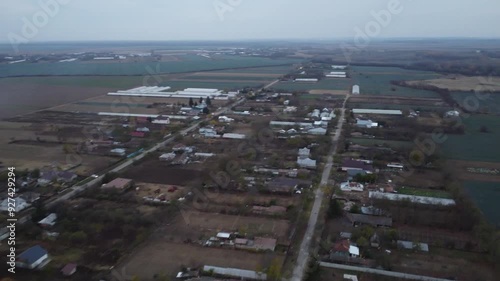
{"x": 386, "y": 143}
{"x": 111, "y": 104}
{"x": 187, "y": 63}
{"x": 118, "y": 82}
{"x": 377, "y": 81}
{"x": 485, "y": 195}
{"x": 282, "y": 70}
{"x": 483, "y": 102}
{"x": 241, "y": 78}
{"x": 398, "y": 106}
{"x": 424, "y": 192}
{"x": 324, "y": 84}
{"x": 475, "y": 145}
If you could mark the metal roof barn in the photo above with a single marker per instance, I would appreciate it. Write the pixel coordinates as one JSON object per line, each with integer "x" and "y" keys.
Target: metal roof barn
{"x": 412, "y": 198}
{"x": 377, "y": 111}
{"x": 234, "y": 272}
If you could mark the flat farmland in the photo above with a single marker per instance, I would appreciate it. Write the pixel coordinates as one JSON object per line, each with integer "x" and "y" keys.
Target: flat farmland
{"x": 181, "y": 85}
{"x": 36, "y": 155}
{"x": 329, "y": 92}
{"x": 388, "y": 143}
{"x": 22, "y": 98}
{"x": 482, "y": 102}
{"x": 140, "y": 101}
{"x": 124, "y": 104}
{"x": 380, "y": 105}
{"x": 461, "y": 170}
{"x": 206, "y": 223}
{"x": 377, "y": 81}
{"x": 423, "y": 178}
{"x": 397, "y": 100}
{"x": 161, "y": 256}
{"x": 322, "y": 85}
{"x": 273, "y": 70}
{"x": 237, "y": 74}
{"x": 243, "y": 80}
{"x": 462, "y": 83}
{"x": 95, "y": 108}
{"x": 485, "y": 195}
{"x": 106, "y": 82}
{"x": 186, "y": 63}
{"x": 258, "y": 199}
{"x": 442, "y": 263}
{"x": 475, "y": 145}
{"x": 155, "y": 171}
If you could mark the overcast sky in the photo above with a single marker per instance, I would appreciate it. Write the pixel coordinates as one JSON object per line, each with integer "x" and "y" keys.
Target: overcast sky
{"x": 244, "y": 19}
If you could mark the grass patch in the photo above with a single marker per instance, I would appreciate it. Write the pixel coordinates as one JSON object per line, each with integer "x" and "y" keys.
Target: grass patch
{"x": 385, "y": 143}
{"x": 475, "y": 145}
{"x": 377, "y": 81}
{"x": 324, "y": 84}
{"x": 424, "y": 192}
{"x": 485, "y": 195}
{"x": 70, "y": 255}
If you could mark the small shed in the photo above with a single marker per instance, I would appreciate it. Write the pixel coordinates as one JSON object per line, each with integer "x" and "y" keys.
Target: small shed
{"x": 69, "y": 269}
{"x": 119, "y": 183}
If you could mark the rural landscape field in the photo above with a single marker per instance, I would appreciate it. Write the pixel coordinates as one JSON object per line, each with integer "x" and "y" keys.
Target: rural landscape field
{"x": 330, "y": 141}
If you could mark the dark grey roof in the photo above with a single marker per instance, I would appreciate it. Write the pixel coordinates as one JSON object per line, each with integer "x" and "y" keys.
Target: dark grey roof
{"x": 32, "y": 254}
{"x": 350, "y": 163}
{"x": 371, "y": 220}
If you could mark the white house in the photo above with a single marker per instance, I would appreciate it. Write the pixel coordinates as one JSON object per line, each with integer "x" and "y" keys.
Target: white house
{"x": 161, "y": 120}
{"x": 351, "y": 186}
{"x": 315, "y": 114}
{"x": 290, "y": 109}
{"x": 167, "y": 157}
{"x": 452, "y": 113}
{"x": 118, "y": 151}
{"x": 306, "y": 163}
{"x": 353, "y": 251}
{"x": 20, "y": 204}
{"x": 327, "y": 115}
{"x": 207, "y": 132}
{"x": 143, "y": 129}
{"x": 225, "y": 119}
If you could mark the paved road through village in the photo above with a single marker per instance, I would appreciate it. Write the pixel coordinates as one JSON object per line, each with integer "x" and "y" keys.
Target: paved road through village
{"x": 303, "y": 256}
{"x": 79, "y": 188}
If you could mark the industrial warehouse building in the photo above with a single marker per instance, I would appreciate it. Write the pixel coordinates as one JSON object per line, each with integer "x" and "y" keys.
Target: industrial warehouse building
{"x": 161, "y": 92}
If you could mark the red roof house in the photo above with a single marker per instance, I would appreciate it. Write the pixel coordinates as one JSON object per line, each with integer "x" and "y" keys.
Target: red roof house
{"x": 138, "y": 134}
